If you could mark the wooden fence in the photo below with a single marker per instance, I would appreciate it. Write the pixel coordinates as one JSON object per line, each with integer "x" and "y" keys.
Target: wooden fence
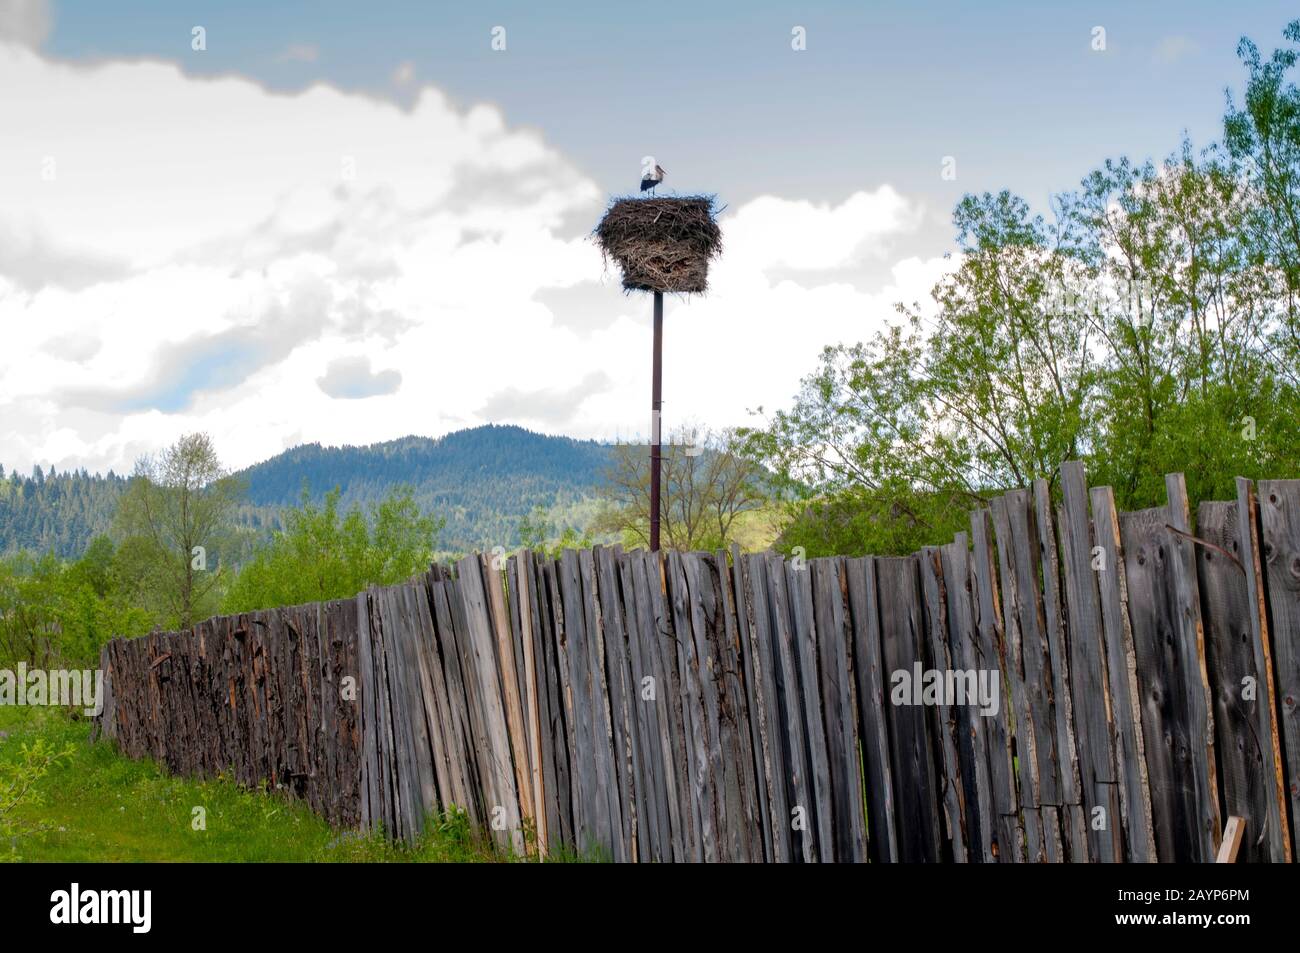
{"x": 715, "y": 707}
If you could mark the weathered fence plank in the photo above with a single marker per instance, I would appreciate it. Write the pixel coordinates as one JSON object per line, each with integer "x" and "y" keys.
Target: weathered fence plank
{"x": 1237, "y": 657}
{"x": 1129, "y": 745}
{"x": 1279, "y": 516}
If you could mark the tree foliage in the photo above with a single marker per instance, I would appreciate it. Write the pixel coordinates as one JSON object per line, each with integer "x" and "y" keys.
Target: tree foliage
{"x": 705, "y": 485}
{"x": 1148, "y": 327}
{"x": 324, "y": 554}
{"x": 57, "y": 614}
{"x": 175, "y": 517}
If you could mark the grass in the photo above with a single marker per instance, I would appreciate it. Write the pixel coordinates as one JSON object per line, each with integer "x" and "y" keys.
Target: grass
{"x": 96, "y": 805}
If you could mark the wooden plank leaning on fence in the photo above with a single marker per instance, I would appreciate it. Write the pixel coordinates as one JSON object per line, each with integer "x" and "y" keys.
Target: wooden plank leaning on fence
{"x": 917, "y": 796}
{"x": 973, "y": 722}
{"x": 1279, "y": 517}
{"x": 1042, "y": 834}
{"x": 1122, "y": 683}
{"x": 942, "y": 715}
{"x": 744, "y": 803}
{"x": 991, "y": 650}
{"x": 839, "y": 703}
{"x": 1164, "y": 605}
{"x": 873, "y": 713}
{"x": 1073, "y": 816}
{"x": 1239, "y": 665}
{"x": 1090, "y": 687}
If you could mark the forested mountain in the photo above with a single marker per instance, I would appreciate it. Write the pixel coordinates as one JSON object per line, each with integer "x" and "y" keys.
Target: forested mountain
{"x": 54, "y": 511}
{"x": 482, "y": 481}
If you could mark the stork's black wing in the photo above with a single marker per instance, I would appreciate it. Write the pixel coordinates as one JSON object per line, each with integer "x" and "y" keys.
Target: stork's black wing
{"x": 648, "y": 183}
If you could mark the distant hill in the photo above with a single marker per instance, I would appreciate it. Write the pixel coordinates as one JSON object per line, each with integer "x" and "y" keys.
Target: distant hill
{"x": 482, "y": 481}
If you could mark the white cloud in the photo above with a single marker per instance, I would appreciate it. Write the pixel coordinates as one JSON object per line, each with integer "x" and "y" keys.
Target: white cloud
{"x": 770, "y": 232}
{"x": 351, "y": 378}
{"x": 209, "y": 255}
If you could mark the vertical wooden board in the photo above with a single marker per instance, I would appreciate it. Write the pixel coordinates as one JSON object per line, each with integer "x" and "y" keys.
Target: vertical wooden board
{"x": 848, "y": 829}
{"x": 564, "y": 727}
{"x": 607, "y": 777}
{"x": 1279, "y": 518}
{"x": 619, "y": 684}
{"x": 1239, "y": 684}
{"x": 508, "y": 678}
{"x": 662, "y": 662}
{"x": 765, "y": 654}
{"x": 1073, "y": 816}
{"x": 804, "y": 631}
{"x": 870, "y": 679}
{"x": 550, "y": 707}
{"x": 1155, "y": 562}
{"x": 1026, "y": 741}
{"x": 942, "y": 714}
{"x": 387, "y": 627}
{"x": 443, "y": 725}
{"x": 419, "y": 743}
{"x": 432, "y": 696}
{"x": 592, "y": 827}
{"x": 917, "y": 796}
{"x": 1035, "y": 654}
{"x": 1092, "y": 616}
{"x": 991, "y": 649}
{"x": 1209, "y": 822}
{"x": 800, "y": 791}
{"x": 744, "y": 788}
{"x": 462, "y": 699}
{"x": 371, "y": 804}
{"x": 642, "y": 702}
{"x": 972, "y": 718}
{"x": 495, "y": 754}
{"x": 1124, "y": 693}
{"x": 534, "y": 687}
{"x": 690, "y": 667}
{"x": 707, "y": 628}
{"x": 751, "y": 674}
{"x": 1226, "y": 607}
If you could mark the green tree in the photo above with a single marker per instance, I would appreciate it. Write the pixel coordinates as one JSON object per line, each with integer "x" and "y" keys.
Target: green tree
{"x": 58, "y": 614}
{"x": 177, "y": 512}
{"x": 322, "y": 554}
{"x": 706, "y": 483}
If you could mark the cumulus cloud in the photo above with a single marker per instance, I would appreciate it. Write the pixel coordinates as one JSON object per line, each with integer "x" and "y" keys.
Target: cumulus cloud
{"x": 251, "y": 264}
{"x": 350, "y": 378}
{"x": 548, "y": 405}
{"x": 771, "y": 232}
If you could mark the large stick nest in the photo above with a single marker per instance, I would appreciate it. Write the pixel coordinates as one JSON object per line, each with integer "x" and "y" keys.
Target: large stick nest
{"x": 661, "y": 244}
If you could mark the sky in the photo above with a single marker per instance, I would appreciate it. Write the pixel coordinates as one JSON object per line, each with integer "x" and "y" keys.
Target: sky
{"x": 337, "y": 222}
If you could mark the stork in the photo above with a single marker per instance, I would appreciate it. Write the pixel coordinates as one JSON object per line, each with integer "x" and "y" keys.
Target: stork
{"x": 652, "y": 179}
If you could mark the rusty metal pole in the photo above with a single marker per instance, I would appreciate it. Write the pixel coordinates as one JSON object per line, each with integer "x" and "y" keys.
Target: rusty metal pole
{"x": 656, "y": 404}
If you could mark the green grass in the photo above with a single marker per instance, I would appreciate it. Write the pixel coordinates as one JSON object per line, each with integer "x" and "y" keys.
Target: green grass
{"x": 99, "y": 806}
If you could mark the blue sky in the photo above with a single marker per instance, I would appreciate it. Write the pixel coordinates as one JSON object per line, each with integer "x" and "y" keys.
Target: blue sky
{"x": 347, "y": 222}
{"x": 883, "y": 91}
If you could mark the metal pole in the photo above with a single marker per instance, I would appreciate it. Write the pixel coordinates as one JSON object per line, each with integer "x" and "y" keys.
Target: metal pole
{"x": 656, "y": 404}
